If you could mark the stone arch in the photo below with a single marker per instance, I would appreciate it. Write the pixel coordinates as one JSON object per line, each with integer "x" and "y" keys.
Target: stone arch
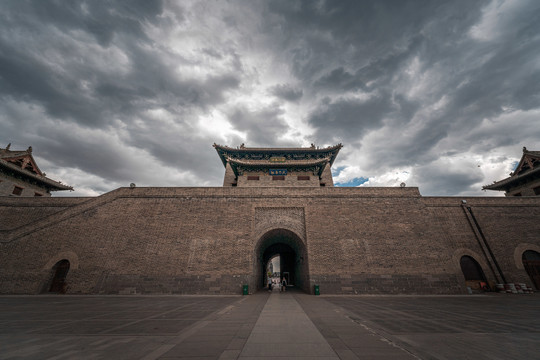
{"x": 58, "y": 282}
{"x": 261, "y": 233}
{"x": 471, "y": 269}
{"x": 68, "y": 255}
{"x": 531, "y": 263}
{"x": 292, "y": 250}
{"x": 477, "y": 262}
{"x": 459, "y": 253}
{"x": 518, "y": 253}
{"x": 57, "y": 269}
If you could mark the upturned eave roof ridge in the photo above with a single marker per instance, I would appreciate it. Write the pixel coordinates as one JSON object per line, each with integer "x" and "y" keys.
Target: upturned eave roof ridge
{"x": 499, "y": 185}
{"x": 222, "y": 150}
{"x": 527, "y": 154}
{"x": 8, "y": 154}
{"x": 40, "y": 178}
{"x": 265, "y": 149}
{"x": 533, "y": 153}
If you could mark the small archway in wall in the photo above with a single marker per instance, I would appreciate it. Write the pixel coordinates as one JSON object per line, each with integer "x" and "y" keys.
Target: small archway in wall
{"x": 59, "y": 272}
{"x": 531, "y": 263}
{"x": 293, "y": 258}
{"x": 473, "y": 273}
{"x": 50, "y": 268}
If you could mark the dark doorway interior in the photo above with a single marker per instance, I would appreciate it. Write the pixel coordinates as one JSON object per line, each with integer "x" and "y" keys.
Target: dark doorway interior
{"x": 58, "y": 283}
{"x": 474, "y": 275}
{"x": 293, "y": 257}
{"x": 531, "y": 262}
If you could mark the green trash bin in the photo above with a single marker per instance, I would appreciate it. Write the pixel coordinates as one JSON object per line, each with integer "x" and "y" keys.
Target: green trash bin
{"x": 245, "y": 290}
{"x": 317, "y": 290}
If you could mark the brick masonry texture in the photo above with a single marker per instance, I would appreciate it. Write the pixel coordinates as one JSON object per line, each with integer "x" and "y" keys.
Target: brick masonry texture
{"x": 208, "y": 240}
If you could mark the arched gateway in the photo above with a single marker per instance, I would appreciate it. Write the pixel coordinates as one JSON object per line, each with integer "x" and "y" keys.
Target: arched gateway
{"x": 293, "y": 257}
{"x": 283, "y": 226}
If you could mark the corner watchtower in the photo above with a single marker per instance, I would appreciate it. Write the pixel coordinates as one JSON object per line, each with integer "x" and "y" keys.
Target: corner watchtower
{"x": 297, "y": 167}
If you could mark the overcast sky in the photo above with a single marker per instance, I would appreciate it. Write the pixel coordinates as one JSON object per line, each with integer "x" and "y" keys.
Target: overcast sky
{"x": 439, "y": 95}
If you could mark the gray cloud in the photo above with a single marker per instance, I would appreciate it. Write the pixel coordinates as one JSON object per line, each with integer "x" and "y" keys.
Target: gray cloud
{"x": 445, "y": 180}
{"x": 348, "y": 119}
{"x": 287, "y": 92}
{"x": 264, "y": 127}
{"x": 113, "y": 89}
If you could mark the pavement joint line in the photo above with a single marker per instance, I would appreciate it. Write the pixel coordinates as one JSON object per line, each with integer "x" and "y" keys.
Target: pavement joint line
{"x": 67, "y": 322}
{"x": 403, "y": 344}
{"x": 176, "y": 340}
{"x": 350, "y": 354}
{"x": 187, "y": 332}
{"x": 498, "y": 322}
{"x": 411, "y": 316}
{"x": 376, "y": 329}
{"x": 489, "y": 325}
{"x": 462, "y": 315}
{"x": 147, "y": 318}
{"x": 226, "y": 310}
{"x": 277, "y": 302}
{"x": 386, "y": 338}
{"x": 383, "y": 336}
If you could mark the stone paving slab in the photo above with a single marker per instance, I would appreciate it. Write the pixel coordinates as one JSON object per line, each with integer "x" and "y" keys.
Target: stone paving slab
{"x": 494, "y": 326}
{"x": 270, "y": 326}
{"x": 284, "y": 330}
{"x": 349, "y": 339}
{"x": 106, "y": 327}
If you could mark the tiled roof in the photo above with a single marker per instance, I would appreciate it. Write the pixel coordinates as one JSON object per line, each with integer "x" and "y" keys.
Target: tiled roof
{"x": 523, "y": 171}
{"x": 243, "y": 153}
{"x": 283, "y": 150}
{"x": 6, "y": 162}
{"x": 502, "y": 184}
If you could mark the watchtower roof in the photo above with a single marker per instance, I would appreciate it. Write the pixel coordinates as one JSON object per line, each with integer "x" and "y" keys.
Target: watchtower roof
{"x": 21, "y": 163}
{"x": 265, "y": 154}
{"x": 527, "y": 169}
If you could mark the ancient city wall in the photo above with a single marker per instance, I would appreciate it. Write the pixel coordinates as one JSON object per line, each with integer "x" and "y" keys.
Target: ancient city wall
{"x": 19, "y": 211}
{"x": 203, "y": 240}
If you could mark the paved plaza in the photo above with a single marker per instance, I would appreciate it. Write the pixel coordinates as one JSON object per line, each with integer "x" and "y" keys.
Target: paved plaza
{"x": 270, "y": 326}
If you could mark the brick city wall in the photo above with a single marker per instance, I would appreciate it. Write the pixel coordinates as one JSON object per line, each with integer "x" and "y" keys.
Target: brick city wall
{"x": 206, "y": 240}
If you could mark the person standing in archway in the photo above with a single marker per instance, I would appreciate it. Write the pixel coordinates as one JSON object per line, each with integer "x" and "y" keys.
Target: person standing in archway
{"x": 269, "y": 284}
{"x": 283, "y": 284}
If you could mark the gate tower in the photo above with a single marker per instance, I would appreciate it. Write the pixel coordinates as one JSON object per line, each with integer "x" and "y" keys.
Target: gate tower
{"x": 274, "y": 167}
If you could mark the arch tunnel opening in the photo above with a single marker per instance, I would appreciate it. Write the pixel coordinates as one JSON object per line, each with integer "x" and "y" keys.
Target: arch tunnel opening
{"x": 292, "y": 253}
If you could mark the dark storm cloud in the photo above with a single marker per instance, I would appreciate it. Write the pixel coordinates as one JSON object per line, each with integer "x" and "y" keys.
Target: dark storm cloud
{"x": 473, "y": 78}
{"x": 339, "y": 80}
{"x": 356, "y": 32}
{"x": 92, "y": 63}
{"x": 445, "y": 179}
{"x": 412, "y": 83}
{"x": 348, "y": 118}
{"x": 89, "y": 91}
{"x": 287, "y": 92}
{"x": 102, "y": 19}
{"x": 264, "y": 127}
